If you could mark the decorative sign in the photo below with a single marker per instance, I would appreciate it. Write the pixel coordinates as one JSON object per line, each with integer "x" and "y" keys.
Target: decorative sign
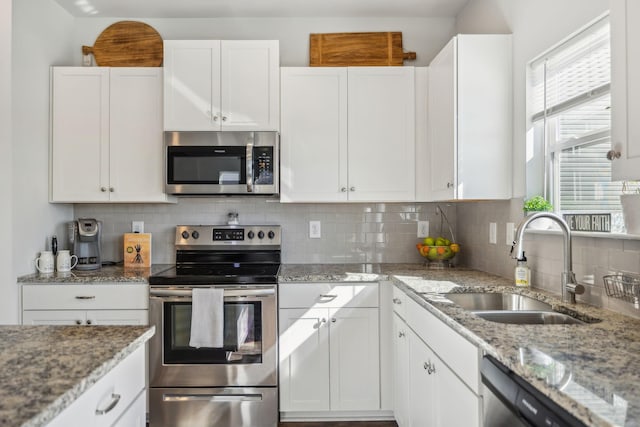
{"x": 589, "y": 222}
{"x": 137, "y": 250}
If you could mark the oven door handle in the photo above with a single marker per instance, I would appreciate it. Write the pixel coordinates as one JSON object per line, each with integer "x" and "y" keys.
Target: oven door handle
{"x": 157, "y": 292}
{"x": 211, "y": 397}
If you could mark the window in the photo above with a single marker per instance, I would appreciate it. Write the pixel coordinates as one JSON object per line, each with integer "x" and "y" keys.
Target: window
{"x": 569, "y": 101}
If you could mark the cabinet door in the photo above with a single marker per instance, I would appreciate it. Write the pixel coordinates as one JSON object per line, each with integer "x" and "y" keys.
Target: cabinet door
{"x": 625, "y": 89}
{"x": 381, "y": 132}
{"x": 136, "y": 146}
{"x": 191, "y": 85}
{"x": 250, "y": 85}
{"x": 304, "y": 360}
{"x": 400, "y": 372}
{"x": 443, "y": 123}
{"x": 354, "y": 359}
{"x": 80, "y": 134}
{"x": 455, "y": 404}
{"x": 54, "y": 317}
{"x": 421, "y": 384}
{"x": 118, "y": 317}
{"x": 313, "y": 139}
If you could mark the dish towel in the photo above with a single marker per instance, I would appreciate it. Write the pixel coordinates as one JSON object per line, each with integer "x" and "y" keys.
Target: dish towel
{"x": 207, "y": 318}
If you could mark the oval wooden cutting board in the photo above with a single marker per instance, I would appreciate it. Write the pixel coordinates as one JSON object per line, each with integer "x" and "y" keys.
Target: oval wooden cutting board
{"x": 127, "y": 44}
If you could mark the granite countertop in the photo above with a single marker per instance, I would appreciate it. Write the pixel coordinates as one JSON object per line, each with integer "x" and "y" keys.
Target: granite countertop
{"x": 592, "y": 370}
{"x": 43, "y": 369}
{"x": 106, "y": 274}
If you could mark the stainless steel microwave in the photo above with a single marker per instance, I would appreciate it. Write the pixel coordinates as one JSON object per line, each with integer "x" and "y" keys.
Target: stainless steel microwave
{"x": 222, "y": 163}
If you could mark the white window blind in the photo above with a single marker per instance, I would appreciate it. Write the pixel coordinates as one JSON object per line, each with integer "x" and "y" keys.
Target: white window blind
{"x": 570, "y": 105}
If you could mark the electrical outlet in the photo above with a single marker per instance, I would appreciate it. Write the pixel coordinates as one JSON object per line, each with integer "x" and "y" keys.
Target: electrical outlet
{"x": 315, "y": 231}
{"x": 493, "y": 233}
{"x": 423, "y": 228}
{"x": 511, "y": 231}
{"x": 137, "y": 226}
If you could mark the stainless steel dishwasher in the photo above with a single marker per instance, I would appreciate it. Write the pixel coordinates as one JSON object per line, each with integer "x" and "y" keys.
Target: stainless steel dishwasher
{"x": 510, "y": 401}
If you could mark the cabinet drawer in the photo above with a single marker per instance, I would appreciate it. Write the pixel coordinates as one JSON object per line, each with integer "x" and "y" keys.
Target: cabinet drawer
{"x": 332, "y": 295}
{"x": 121, "y": 386}
{"x": 458, "y": 353}
{"x": 85, "y": 297}
{"x": 399, "y": 302}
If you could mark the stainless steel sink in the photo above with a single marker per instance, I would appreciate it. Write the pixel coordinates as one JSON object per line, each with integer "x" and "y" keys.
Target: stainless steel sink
{"x": 497, "y": 302}
{"x": 529, "y": 317}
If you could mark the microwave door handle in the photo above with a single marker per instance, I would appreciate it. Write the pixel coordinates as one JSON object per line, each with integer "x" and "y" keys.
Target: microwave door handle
{"x": 250, "y": 167}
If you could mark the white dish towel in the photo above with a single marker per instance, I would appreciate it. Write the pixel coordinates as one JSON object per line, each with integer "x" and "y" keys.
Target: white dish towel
{"x": 207, "y": 318}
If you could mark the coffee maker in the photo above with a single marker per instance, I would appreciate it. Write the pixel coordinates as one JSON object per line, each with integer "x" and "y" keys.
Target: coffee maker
{"x": 84, "y": 239}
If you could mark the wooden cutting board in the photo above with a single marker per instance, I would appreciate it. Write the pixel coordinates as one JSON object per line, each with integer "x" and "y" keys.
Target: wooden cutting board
{"x": 357, "y": 49}
{"x": 127, "y": 44}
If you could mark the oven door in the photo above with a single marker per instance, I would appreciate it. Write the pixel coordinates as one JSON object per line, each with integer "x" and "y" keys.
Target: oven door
{"x": 248, "y": 357}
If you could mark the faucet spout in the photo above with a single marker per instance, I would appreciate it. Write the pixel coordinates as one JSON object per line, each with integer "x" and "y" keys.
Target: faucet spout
{"x": 569, "y": 286}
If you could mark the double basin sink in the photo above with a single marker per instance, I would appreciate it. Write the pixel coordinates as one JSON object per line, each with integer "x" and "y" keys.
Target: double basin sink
{"x": 512, "y": 308}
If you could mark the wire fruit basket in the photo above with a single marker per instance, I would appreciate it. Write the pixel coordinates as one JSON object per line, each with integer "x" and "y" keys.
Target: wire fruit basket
{"x": 624, "y": 286}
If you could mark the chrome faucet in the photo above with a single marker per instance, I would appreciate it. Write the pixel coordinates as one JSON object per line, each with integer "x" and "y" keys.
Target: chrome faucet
{"x": 569, "y": 286}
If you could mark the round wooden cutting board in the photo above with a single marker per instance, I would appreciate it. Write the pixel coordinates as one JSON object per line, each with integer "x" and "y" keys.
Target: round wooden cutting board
{"x": 127, "y": 44}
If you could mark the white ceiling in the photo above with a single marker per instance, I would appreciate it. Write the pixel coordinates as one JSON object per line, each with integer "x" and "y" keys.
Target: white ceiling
{"x": 261, "y": 8}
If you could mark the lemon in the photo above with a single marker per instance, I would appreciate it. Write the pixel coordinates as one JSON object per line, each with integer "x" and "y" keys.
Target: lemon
{"x": 429, "y": 241}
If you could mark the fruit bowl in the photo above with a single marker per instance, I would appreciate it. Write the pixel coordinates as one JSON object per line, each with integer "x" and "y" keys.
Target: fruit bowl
{"x": 438, "y": 253}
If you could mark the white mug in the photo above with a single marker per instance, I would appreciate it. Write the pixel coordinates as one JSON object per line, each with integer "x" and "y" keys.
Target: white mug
{"x": 66, "y": 262}
{"x": 44, "y": 263}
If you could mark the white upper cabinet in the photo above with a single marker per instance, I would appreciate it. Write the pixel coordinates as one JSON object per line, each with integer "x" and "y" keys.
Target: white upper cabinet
{"x": 348, "y": 134}
{"x": 470, "y": 119}
{"x": 213, "y": 85}
{"x": 106, "y": 135}
{"x": 625, "y": 89}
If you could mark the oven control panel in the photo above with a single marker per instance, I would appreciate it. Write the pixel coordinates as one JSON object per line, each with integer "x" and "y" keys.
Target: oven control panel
{"x": 223, "y": 235}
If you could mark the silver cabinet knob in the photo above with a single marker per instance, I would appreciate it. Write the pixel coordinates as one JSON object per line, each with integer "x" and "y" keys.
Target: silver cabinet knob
{"x": 78, "y": 322}
{"x": 333, "y": 320}
{"x": 88, "y": 322}
{"x": 400, "y": 334}
{"x": 103, "y": 189}
{"x": 397, "y": 301}
{"x": 425, "y": 366}
{"x": 343, "y": 189}
{"x": 224, "y": 118}
{"x": 111, "y": 190}
{"x": 352, "y": 189}
{"x": 323, "y": 320}
{"x": 613, "y": 154}
{"x": 449, "y": 185}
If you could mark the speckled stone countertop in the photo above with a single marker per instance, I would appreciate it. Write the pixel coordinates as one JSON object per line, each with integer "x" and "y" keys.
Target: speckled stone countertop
{"x": 106, "y": 274}
{"x": 43, "y": 369}
{"x": 592, "y": 370}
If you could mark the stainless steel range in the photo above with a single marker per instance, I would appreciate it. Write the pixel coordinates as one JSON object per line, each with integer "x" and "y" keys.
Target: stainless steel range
{"x": 235, "y": 382}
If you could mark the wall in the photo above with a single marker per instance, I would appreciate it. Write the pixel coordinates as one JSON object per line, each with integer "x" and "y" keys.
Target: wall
{"x": 421, "y": 35}
{"x": 41, "y": 38}
{"x": 351, "y": 233}
{"x": 593, "y": 257}
{"x": 7, "y": 305}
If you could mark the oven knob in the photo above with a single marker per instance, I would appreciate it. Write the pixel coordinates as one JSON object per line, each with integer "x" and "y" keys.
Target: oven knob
{"x": 251, "y": 234}
{"x": 195, "y": 234}
{"x": 260, "y": 234}
{"x": 271, "y": 234}
{"x": 185, "y": 234}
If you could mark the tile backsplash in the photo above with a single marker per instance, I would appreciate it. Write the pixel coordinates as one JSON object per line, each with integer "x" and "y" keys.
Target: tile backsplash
{"x": 351, "y": 233}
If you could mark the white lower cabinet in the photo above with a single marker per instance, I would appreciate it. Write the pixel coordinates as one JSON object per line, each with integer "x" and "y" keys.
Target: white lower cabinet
{"x": 428, "y": 391}
{"x": 329, "y": 348}
{"x": 117, "y": 399}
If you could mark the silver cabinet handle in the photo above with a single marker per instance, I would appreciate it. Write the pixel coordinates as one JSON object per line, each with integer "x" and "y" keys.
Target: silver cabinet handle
{"x": 429, "y": 367}
{"x": 211, "y": 397}
{"x": 327, "y": 297}
{"x": 613, "y": 154}
{"x": 103, "y": 189}
{"x": 115, "y": 398}
{"x": 397, "y": 301}
{"x": 85, "y": 297}
{"x": 343, "y": 189}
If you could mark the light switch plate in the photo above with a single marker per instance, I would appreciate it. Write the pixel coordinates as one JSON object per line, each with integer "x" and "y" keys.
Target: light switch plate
{"x": 315, "y": 230}
{"x": 493, "y": 233}
{"x": 137, "y": 226}
{"x": 423, "y": 228}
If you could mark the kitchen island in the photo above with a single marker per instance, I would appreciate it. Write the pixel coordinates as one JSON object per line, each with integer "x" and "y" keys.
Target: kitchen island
{"x": 592, "y": 370}
{"x": 45, "y": 369}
